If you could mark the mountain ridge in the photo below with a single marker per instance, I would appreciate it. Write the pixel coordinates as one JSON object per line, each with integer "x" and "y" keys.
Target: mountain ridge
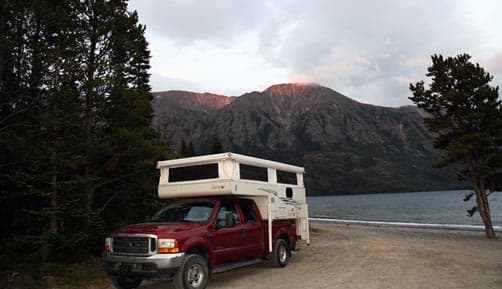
{"x": 193, "y": 100}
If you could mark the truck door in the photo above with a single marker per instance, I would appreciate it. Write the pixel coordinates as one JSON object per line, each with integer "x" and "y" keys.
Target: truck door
{"x": 226, "y": 238}
{"x": 252, "y": 231}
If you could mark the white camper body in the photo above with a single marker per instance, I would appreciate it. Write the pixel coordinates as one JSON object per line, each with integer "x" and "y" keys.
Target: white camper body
{"x": 276, "y": 188}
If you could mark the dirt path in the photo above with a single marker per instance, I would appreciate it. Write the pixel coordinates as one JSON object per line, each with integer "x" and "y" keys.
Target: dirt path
{"x": 368, "y": 257}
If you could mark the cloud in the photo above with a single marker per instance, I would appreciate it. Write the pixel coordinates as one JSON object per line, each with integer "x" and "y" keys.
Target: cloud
{"x": 417, "y": 62}
{"x": 401, "y": 79}
{"x": 189, "y": 21}
{"x": 493, "y": 63}
{"x": 240, "y": 70}
{"x": 171, "y": 83}
{"x": 300, "y": 78}
{"x": 343, "y": 65}
{"x": 369, "y": 50}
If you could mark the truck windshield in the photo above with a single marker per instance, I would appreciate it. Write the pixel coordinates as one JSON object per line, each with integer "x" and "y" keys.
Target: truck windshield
{"x": 198, "y": 212}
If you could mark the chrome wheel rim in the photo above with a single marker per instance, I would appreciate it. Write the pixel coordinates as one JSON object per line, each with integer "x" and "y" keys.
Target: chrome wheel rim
{"x": 283, "y": 254}
{"x": 195, "y": 275}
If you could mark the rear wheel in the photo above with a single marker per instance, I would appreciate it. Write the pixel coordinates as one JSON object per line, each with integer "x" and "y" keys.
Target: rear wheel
{"x": 126, "y": 283}
{"x": 193, "y": 274}
{"x": 280, "y": 254}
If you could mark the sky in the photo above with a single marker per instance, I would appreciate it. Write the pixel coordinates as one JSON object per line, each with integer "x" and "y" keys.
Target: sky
{"x": 367, "y": 50}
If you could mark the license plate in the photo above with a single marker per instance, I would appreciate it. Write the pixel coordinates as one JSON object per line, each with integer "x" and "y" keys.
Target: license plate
{"x": 125, "y": 268}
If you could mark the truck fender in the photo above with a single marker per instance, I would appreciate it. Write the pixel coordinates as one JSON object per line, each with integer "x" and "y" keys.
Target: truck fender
{"x": 284, "y": 234}
{"x": 198, "y": 246}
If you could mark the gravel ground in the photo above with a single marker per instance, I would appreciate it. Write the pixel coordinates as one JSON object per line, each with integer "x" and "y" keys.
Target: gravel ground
{"x": 342, "y": 256}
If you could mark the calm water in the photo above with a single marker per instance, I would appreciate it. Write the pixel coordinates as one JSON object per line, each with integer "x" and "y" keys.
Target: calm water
{"x": 440, "y": 207}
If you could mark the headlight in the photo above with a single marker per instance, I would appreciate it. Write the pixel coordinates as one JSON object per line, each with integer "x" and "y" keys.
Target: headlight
{"x": 108, "y": 244}
{"x": 165, "y": 245}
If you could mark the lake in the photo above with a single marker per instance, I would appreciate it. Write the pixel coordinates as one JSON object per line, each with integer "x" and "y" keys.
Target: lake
{"x": 438, "y": 207}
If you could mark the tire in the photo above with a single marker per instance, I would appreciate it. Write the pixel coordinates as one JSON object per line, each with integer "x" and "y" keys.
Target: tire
{"x": 193, "y": 273}
{"x": 280, "y": 254}
{"x": 126, "y": 283}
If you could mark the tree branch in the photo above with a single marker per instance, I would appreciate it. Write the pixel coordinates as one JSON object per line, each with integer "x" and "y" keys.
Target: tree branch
{"x": 14, "y": 114}
{"x": 108, "y": 201}
{"x": 118, "y": 191}
{"x": 103, "y": 183}
{"x": 16, "y": 125}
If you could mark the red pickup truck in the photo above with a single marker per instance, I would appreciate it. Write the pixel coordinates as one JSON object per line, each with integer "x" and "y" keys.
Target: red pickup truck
{"x": 191, "y": 238}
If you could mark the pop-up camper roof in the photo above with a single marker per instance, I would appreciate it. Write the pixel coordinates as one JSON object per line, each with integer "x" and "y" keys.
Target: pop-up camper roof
{"x": 230, "y": 174}
{"x": 277, "y": 188}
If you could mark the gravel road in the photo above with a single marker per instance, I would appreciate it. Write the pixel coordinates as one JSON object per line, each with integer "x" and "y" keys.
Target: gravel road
{"x": 342, "y": 256}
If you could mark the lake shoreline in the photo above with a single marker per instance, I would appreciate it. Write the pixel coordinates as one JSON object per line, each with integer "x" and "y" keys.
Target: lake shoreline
{"x": 451, "y": 227}
{"x": 383, "y": 193}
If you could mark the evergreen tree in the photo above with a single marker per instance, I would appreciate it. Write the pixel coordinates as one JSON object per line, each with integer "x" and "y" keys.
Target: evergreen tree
{"x": 14, "y": 116}
{"x": 120, "y": 145}
{"x": 190, "y": 150}
{"x": 183, "y": 150}
{"x": 187, "y": 150}
{"x": 40, "y": 104}
{"x": 216, "y": 146}
{"x": 466, "y": 120}
{"x": 75, "y": 119}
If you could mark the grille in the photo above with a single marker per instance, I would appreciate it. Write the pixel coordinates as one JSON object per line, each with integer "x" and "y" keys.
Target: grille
{"x": 134, "y": 245}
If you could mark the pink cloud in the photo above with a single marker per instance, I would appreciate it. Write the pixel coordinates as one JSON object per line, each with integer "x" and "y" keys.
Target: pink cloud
{"x": 401, "y": 79}
{"x": 493, "y": 63}
{"x": 300, "y": 78}
{"x": 416, "y": 62}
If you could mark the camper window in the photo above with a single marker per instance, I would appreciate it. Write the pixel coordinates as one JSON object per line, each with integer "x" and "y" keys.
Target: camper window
{"x": 248, "y": 172}
{"x": 192, "y": 173}
{"x": 286, "y": 178}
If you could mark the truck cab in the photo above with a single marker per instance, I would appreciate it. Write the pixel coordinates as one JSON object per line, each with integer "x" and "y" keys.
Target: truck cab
{"x": 208, "y": 226}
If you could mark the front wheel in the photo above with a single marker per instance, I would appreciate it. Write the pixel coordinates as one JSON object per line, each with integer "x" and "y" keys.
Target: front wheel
{"x": 193, "y": 274}
{"x": 280, "y": 254}
{"x": 125, "y": 283}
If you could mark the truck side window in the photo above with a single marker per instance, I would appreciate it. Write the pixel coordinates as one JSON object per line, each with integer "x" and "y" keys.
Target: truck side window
{"x": 249, "y": 212}
{"x": 224, "y": 210}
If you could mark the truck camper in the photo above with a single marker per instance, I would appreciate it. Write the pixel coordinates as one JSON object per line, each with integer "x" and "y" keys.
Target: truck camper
{"x": 225, "y": 211}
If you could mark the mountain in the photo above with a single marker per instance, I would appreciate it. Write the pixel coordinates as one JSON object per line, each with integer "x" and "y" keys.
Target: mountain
{"x": 345, "y": 146}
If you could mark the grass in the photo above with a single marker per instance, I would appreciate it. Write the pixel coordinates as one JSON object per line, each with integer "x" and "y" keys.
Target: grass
{"x": 25, "y": 275}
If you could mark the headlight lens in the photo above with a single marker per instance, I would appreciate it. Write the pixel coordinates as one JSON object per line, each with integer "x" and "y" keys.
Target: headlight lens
{"x": 108, "y": 244}
{"x": 167, "y": 245}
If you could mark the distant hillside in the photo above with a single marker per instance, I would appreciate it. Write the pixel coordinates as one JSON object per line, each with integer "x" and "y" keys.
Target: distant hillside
{"x": 345, "y": 146}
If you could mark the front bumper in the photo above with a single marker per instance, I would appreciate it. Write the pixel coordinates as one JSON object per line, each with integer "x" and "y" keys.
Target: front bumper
{"x": 158, "y": 266}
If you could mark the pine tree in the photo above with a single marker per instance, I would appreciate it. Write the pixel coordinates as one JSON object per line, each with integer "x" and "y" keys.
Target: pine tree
{"x": 183, "y": 150}
{"x": 190, "y": 149}
{"x": 466, "y": 119}
{"x": 75, "y": 119}
{"x": 41, "y": 106}
{"x": 14, "y": 115}
{"x": 187, "y": 150}
{"x": 120, "y": 144}
{"x": 216, "y": 146}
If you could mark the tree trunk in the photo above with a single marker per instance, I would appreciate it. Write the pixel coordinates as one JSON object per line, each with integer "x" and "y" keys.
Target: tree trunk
{"x": 90, "y": 106}
{"x": 484, "y": 210}
{"x": 53, "y": 222}
{"x": 88, "y": 195}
